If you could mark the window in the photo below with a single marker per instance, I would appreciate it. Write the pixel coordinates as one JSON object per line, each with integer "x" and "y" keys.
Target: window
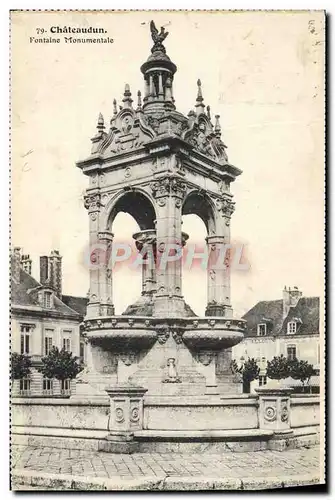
{"x": 48, "y": 388}
{"x": 25, "y": 338}
{"x": 262, "y": 380}
{"x": 65, "y": 387}
{"x": 261, "y": 329}
{"x": 291, "y": 352}
{"x": 291, "y": 327}
{"x": 24, "y": 387}
{"x": 66, "y": 343}
{"x": 47, "y": 299}
{"x": 48, "y": 341}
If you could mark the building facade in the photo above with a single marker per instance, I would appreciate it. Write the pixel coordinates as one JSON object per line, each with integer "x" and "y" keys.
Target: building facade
{"x": 41, "y": 317}
{"x": 288, "y": 327}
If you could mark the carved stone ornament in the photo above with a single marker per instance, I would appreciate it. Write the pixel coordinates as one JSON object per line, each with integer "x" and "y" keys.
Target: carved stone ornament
{"x": 167, "y": 186}
{"x": 172, "y": 377}
{"x": 270, "y": 413}
{"x": 225, "y": 206}
{"x": 119, "y": 415}
{"x": 205, "y": 358}
{"x": 177, "y": 335}
{"x": 163, "y": 335}
{"x": 284, "y": 413}
{"x": 135, "y": 414}
{"x": 128, "y": 358}
{"x": 92, "y": 202}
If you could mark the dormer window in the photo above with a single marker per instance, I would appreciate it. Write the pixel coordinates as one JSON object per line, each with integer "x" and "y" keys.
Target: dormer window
{"x": 261, "y": 329}
{"x": 47, "y": 300}
{"x": 291, "y": 327}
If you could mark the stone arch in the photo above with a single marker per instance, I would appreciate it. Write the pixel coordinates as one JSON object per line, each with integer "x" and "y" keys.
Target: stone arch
{"x": 200, "y": 204}
{"x": 134, "y": 202}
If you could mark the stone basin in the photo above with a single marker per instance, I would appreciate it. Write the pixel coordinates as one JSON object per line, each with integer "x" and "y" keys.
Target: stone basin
{"x": 214, "y": 333}
{"x": 122, "y": 331}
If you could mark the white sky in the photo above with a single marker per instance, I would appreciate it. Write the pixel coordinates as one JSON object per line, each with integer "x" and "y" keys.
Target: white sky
{"x": 262, "y": 72}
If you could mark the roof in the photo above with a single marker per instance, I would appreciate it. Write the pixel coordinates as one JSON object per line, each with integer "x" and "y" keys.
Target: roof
{"x": 307, "y": 312}
{"x": 78, "y": 304}
{"x": 21, "y": 296}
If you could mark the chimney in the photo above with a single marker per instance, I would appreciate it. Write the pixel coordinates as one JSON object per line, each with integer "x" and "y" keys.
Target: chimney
{"x": 26, "y": 263}
{"x": 291, "y": 298}
{"x": 44, "y": 270}
{"x": 16, "y": 264}
{"x": 51, "y": 272}
{"x": 55, "y": 268}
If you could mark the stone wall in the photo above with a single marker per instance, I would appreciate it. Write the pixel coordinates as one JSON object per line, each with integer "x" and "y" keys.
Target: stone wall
{"x": 196, "y": 414}
{"x": 305, "y": 410}
{"x": 59, "y": 413}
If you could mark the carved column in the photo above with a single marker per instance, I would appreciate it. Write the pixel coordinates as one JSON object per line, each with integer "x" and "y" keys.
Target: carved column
{"x": 169, "y": 194}
{"x": 146, "y": 90}
{"x": 146, "y": 244}
{"x": 151, "y": 88}
{"x": 219, "y": 262}
{"x": 92, "y": 204}
{"x": 105, "y": 275}
{"x": 160, "y": 85}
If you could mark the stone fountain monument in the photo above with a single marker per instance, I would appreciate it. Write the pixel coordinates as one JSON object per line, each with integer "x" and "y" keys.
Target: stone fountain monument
{"x": 156, "y": 164}
{"x": 158, "y": 377}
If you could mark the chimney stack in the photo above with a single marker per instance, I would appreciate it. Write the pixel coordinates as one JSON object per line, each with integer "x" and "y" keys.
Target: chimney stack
{"x": 44, "y": 270}
{"x": 16, "y": 264}
{"x": 26, "y": 263}
{"x": 290, "y": 299}
{"x": 51, "y": 272}
{"x": 55, "y": 266}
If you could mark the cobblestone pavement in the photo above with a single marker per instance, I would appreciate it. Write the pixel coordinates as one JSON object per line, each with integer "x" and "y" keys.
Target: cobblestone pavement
{"x": 262, "y": 464}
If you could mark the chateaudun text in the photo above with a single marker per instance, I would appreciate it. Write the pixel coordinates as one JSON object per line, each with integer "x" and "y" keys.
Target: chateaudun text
{"x": 47, "y": 36}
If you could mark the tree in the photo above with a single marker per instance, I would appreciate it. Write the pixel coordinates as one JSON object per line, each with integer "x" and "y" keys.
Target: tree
{"x": 301, "y": 370}
{"x": 20, "y": 366}
{"x": 278, "y": 368}
{"x": 61, "y": 365}
{"x": 249, "y": 371}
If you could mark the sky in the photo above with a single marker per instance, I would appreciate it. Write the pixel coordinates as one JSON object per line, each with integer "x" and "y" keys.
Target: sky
{"x": 262, "y": 72}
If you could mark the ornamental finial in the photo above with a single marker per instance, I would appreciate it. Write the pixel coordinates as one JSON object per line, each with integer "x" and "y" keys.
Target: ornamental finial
{"x": 217, "y": 128}
{"x": 157, "y": 37}
{"x": 127, "y": 100}
{"x": 200, "y": 107}
{"x": 199, "y": 96}
{"x": 139, "y": 100}
{"x": 101, "y": 123}
{"x": 209, "y": 112}
{"x": 114, "y": 107}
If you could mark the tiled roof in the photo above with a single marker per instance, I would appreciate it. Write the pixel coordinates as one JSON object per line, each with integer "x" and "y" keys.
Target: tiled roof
{"x": 271, "y": 312}
{"x": 21, "y": 296}
{"x": 78, "y": 304}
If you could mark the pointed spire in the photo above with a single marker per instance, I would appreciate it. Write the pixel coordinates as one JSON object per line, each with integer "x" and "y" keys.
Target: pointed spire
{"x": 127, "y": 100}
{"x": 200, "y": 107}
{"x": 114, "y": 107}
{"x": 101, "y": 123}
{"x": 199, "y": 97}
{"x": 209, "y": 112}
{"x": 139, "y": 101}
{"x": 217, "y": 127}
